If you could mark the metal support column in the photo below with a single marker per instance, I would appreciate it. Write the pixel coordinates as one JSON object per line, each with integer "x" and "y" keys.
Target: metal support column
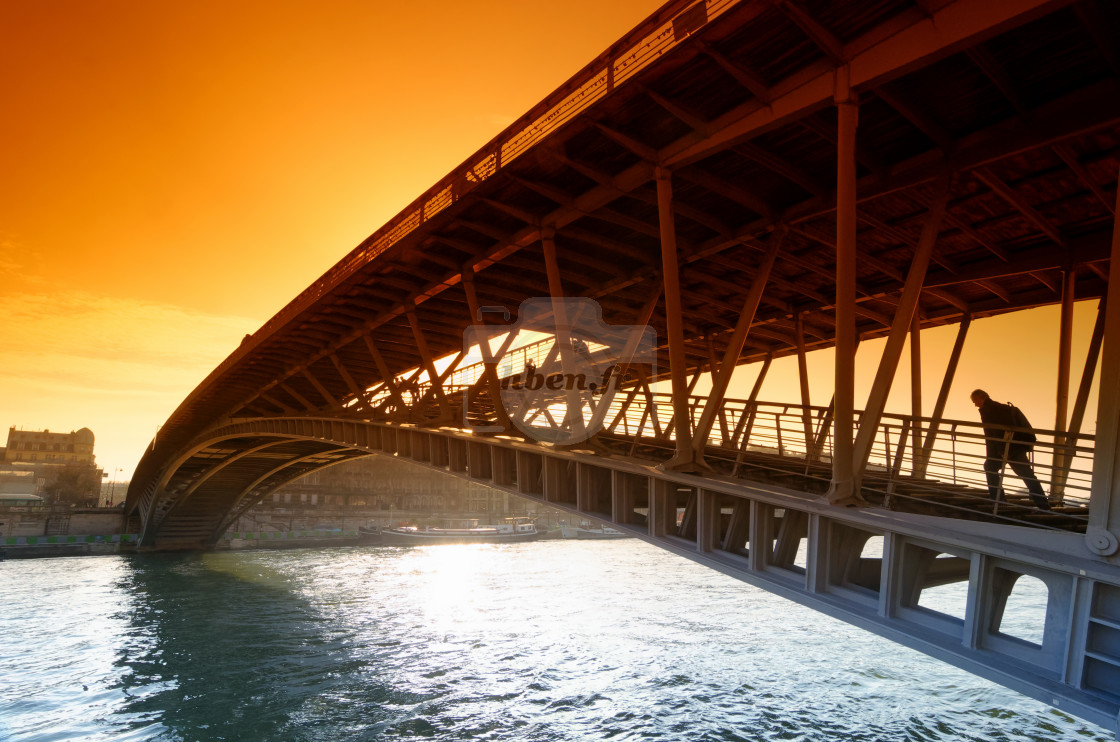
{"x": 351, "y": 384}
{"x": 670, "y": 274}
{"x": 1061, "y": 476}
{"x": 915, "y": 388}
{"x": 329, "y": 398}
{"x": 1104, "y": 502}
{"x": 1065, "y": 350}
{"x": 803, "y": 378}
{"x": 843, "y": 490}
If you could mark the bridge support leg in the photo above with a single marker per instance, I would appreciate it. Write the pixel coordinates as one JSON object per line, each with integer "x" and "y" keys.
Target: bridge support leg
{"x": 428, "y": 363}
{"x": 678, "y": 363}
{"x": 1080, "y": 402}
{"x": 328, "y": 399}
{"x": 386, "y": 374}
{"x": 1104, "y": 501}
{"x": 922, "y": 462}
{"x": 490, "y": 364}
{"x": 915, "y": 387}
{"x": 574, "y": 415}
{"x": 907, "y": 306}
{"x": 707, "y": 520}
{"x": 843, "y": 489}
{"x": 1061, "y": 403}
{"x": 803, "y": 377}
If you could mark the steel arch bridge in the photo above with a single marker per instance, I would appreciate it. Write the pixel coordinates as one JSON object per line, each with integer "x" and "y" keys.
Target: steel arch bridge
{"x": 753, "y": 179}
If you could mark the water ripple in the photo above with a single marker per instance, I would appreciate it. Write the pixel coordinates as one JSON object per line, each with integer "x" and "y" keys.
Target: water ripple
{"x": 541, "y": 642}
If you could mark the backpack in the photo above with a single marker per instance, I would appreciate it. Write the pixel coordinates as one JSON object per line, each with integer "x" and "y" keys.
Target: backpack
{"x": 1025, "y": 436}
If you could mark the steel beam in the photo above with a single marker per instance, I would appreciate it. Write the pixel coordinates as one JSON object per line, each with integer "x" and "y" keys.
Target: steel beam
{"x": 574, "y": 413}
{"x": 843, "y": 489}
{"x": 328, "y": 398}
{"x": 355, "y": 389}
{"x": 428, "y": 363}
{"x": 1079, "y": 404}
{"x": 298, "y": 397}
{"x": 915, "y": 386}
{"x": 490, "y": 362}
{"x": 803, "y": 378}
{"x": 1104, "y": 503}
{"x": 904, "y": 313}
{"x": 670, "y": 276}
{"x": 734, "y": 347}
{"x": 952, "y": 27}
{"x": 942, "y": 397}
{"x": 1017, "y": 202}
{"x": 1061, "y": 402}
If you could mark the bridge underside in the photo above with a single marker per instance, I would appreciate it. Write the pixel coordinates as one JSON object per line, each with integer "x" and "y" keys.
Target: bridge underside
{"x": 752, "y": 180}
{"x": 708, "y": 144}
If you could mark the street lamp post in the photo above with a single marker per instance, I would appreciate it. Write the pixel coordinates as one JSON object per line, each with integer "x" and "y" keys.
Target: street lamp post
{"x": 113, "y": 484}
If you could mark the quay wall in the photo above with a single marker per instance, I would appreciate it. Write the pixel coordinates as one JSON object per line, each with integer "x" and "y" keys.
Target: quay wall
{"x": 30, "y": 547}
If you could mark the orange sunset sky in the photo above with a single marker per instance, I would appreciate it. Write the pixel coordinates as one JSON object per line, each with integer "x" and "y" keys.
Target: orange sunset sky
{"x": 174, "y": 173}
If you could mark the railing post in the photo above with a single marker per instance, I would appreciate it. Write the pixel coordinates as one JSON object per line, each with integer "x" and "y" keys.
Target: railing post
{"x": 954, "y": 439}
{"x": 896, "y": 467}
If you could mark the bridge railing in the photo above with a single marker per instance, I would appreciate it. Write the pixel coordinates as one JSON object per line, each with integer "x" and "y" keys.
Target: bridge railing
{"x": 919, "y": 460}
{"x": 913, "y": 462}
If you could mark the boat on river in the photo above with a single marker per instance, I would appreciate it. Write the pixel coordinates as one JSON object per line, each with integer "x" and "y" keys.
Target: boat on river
{"x": 510, "y": 531}
{"x": 598, "y": 532}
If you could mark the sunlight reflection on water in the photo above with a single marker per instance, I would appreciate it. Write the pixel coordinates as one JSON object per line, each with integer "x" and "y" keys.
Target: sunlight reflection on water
{"x": 553, "y": 640}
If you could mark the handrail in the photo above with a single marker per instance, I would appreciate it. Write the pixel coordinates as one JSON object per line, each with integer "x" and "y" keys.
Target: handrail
{"x": 950, "y": 470}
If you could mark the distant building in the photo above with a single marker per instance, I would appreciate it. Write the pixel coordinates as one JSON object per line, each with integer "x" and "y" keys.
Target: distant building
{"x": 44, "y": 446}
{"x": 34, "y": 458}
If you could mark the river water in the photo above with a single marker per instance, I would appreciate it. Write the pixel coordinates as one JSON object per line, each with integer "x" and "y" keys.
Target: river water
{"x": 552, "y": 640}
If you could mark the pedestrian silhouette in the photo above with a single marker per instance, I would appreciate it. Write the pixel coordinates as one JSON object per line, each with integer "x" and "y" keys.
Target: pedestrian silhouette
{"x": 1006, "y": 448}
